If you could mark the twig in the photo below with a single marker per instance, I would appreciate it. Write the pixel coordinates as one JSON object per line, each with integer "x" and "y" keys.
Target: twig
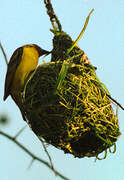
{"x": 4, "y": 54}
{"x": 116, "y": 102}
{"x": 20, "y": 131}
{"x": 53, "y": 18}
{"x": 31, "y": 163}
{"x": 45, "y": 149}
{"x": 34, "y": 157}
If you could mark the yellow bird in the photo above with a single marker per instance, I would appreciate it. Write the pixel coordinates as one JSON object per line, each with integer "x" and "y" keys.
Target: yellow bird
{"x": 23, "y": 61}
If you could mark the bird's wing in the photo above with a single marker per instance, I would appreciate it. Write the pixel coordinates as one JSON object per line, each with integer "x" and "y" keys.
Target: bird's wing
{"x": 12, "y": 66}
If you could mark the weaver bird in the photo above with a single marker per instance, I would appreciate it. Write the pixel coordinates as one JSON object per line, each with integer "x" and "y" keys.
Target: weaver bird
{"x": 23, "y": 61}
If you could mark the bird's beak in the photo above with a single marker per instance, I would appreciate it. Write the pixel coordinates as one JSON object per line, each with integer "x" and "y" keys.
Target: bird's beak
{"x": 42, "y": 51}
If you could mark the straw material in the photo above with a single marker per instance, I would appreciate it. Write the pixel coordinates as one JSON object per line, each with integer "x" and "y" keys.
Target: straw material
{"x": 67, "y": 105}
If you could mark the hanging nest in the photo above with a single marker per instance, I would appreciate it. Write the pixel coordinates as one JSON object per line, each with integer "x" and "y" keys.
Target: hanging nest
{"x": 67, "y": 105}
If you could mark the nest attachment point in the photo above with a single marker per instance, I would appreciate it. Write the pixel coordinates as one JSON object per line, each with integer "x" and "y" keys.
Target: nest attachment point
{"x": 67, "y": 105}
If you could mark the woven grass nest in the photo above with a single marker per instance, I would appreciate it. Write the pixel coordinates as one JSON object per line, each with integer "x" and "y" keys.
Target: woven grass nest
{"x": 67, "y": 105}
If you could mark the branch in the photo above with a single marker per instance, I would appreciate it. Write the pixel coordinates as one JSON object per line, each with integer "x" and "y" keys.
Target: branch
{"x": 34, "y": 157}
{"x": 47, "y": 153}
{"x": 115, "y": 102}
{"x": 4, "y": 54}
{"x": 21, "y": 130}
{"x": 53, "y": 18}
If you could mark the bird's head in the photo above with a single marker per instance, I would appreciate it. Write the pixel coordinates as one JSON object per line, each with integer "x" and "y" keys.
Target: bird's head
{"x": 40, "y": 51}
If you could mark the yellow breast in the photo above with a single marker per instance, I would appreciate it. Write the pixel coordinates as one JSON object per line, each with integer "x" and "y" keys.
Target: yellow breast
{"x": 27, "y": 64}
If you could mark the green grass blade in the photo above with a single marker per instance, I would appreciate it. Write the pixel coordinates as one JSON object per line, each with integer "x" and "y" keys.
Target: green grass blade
{"x": 62, "y": 75}
{"x": 81, "y": 33}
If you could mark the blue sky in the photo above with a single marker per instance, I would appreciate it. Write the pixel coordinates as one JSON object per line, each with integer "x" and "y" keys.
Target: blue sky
{"x": 23, "y": 22}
